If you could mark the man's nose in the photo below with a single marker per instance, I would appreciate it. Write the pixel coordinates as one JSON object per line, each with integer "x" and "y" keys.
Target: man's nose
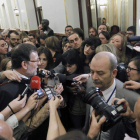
{"x": 94, "y": 76}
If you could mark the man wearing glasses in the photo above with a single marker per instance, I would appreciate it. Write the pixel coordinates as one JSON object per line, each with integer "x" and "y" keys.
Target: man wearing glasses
{"x": 13, "y": 39}
{"x": 25, "y": 62}
{"x": 131, "y": 31}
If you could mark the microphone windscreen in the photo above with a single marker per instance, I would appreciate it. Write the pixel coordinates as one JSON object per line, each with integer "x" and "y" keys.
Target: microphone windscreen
{"x": 35, "y": 82}
{"x": 133, "y": 38}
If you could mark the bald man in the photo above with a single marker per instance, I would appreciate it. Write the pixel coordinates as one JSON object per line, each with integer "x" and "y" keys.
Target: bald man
{"x": 103, "y": 72}
{"x": 6, "y": 132}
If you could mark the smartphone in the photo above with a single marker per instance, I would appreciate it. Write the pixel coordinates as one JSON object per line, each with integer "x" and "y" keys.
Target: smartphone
{"x": 40, "y": 93}
{"x": 56, "y": 80}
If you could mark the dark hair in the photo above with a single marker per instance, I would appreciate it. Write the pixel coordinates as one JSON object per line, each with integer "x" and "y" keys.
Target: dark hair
{"x": 71, "y": 57}
{"x": 31, "y": 35}
{"x": 53, "y": 43}
{"x": 104, "y": 25}
{"x": 136, "y": 61}
{"x": 41, "y": 36}
{"x": 114, "y": 30}
{"x": 73, "y": 135}
{"x": 68, "y": 26}
{"x": 4, "y": 63}
{"x": 22, "y": 53}
{"x": 10, "y": 32}
{"x": 132, "y": 28}
{"x": 64, "y": 43}
{"x": 94, "y": 30}
{"x": 1, "y": 38}
{"x": 79, "y": 31}
{"x": 48, "y": 55}
{"x": 106, "y": 34}
{"x": 93, "y": 41}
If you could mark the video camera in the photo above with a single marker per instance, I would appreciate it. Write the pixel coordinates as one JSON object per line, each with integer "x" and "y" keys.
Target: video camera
{"x": 121, "y": 73}
{"x": 130, "y": 52}
{"x": 42, "y": 74}
{"x": 52, "y": 82}
{"x": 111, "y": 112}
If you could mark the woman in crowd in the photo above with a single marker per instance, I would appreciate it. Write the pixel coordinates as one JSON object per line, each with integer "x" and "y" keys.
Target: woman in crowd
{"x": 133, "y": 69}
{"x": 119, "y": 41}
{"x": 6, "y": 64}
{"x": 75, "y": 107}
{"x": 66, "y": 46}
{"x": 109, "y": 48}
{"x": 25, "y": 39}
{"x": 53, "y": 44}
{"x": 88, "y": 51}
{"x": 3, "y": 50}
{"x": 45, "y": 58}
{"x": 104, "y": 37}
{"x": 22, "y": 35}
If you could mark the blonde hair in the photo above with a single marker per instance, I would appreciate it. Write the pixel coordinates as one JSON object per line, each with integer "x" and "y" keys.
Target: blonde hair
{"x": 122, "y": 54}
{"x": 109, "y": 48}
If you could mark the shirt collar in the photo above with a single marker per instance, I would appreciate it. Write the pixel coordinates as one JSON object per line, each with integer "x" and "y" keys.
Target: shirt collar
{"x": 22, "y": 76}
{"x": 109, "y": 90}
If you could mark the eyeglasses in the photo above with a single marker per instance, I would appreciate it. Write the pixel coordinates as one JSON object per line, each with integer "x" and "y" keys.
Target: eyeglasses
{"x": 14, "y": 39}
{"x": 35, "y": 60}
{"x": 129, "y": 33}
{"x": 129, "y": 69}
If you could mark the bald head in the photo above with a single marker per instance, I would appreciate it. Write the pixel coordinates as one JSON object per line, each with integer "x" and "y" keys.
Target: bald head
{"x": 112, "y": 58}
{"x": 6, "y": 131}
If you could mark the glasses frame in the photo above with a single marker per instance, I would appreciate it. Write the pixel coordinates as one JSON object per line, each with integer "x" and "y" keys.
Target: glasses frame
{"x": 129, "y": 69}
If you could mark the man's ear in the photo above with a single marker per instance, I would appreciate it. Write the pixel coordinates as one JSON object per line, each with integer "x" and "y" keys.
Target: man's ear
{"x": 24, "y": 65}
{"x": 115, "y": 73}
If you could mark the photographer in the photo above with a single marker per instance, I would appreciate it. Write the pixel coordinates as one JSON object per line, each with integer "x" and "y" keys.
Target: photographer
{"x": 103, "y": 72}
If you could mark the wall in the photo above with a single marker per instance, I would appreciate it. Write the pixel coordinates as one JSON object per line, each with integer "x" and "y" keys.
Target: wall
{"x": 138, "y": 18}
{"x": 31, "y": 16}
{"x": 54, "y": 11}
{"x": 5, "y": 20}
{"x": 72, "y": 13}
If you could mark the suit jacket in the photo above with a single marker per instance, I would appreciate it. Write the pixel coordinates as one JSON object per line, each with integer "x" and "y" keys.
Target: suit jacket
{"x": 117, "y": 131}
{"x": 9, "y": 92}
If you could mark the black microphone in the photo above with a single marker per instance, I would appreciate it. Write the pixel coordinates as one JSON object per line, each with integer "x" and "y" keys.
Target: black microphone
{"x": 133, "y": 38}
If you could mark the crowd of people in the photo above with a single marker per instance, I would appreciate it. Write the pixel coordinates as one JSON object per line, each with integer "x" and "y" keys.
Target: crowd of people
{"x": 79, "y": 65}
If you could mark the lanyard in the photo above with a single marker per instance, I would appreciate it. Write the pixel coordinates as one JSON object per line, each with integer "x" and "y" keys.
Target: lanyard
{"x": 111, "y": 94}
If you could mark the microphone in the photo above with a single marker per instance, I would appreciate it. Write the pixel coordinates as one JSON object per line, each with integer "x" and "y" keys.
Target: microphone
{"x": 35, "y": 83}
{"x": 133, "y": 38}
{"x": 36, "y": 86}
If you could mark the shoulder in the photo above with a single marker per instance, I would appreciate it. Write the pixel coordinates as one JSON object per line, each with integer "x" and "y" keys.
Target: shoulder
{"x": 130, "y": 96}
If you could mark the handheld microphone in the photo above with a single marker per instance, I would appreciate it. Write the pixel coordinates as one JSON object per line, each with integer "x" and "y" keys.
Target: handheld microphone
{"x": 35, "y": 83}
{"x": 36, "y": 86}
{"x": 133, "y": 38}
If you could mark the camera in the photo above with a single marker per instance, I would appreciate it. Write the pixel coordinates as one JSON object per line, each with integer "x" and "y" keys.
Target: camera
{"x": 111, "y": 112}
{"x": 42, "y": 73}
{"x": 121, "y": 72}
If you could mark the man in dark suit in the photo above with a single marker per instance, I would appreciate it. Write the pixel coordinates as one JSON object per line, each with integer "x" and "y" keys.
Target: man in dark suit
{"x": 103, "y": 73}
{"x": 24, "y": 62}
